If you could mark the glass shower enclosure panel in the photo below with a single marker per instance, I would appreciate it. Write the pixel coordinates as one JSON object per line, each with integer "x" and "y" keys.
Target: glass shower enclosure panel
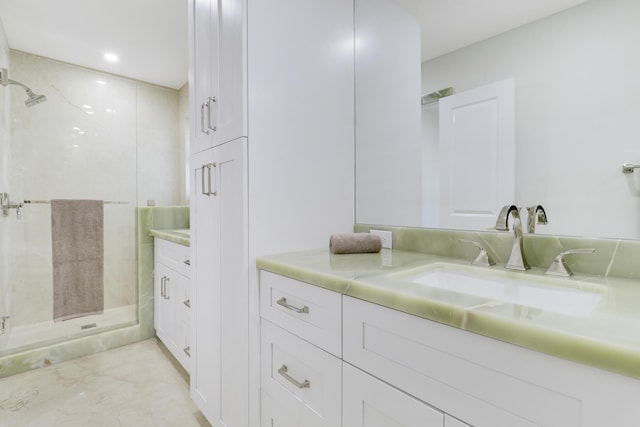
{"x": 5, "y": 273}
{"x": 78, "y": 144}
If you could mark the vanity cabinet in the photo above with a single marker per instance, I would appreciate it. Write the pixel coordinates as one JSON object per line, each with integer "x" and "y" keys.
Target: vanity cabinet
{"x": 400, "y": 369}
{"x": 217, "y": 64}
{"x": 171, "y": 315}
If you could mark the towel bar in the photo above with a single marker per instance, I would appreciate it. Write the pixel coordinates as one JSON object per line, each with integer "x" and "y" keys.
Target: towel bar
{"x": 46, "y": 202}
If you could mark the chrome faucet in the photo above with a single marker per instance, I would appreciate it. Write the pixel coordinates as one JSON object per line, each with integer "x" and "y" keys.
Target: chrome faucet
{"x": 517, "y": 260}
{"x": 535, "y": 212}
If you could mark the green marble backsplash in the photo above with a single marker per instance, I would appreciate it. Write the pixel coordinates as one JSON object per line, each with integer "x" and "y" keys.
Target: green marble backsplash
{"x": 617, "y": 258}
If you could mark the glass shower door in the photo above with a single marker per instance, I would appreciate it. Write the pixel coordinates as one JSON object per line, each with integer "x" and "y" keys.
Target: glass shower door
{"x": 5, "y": 238}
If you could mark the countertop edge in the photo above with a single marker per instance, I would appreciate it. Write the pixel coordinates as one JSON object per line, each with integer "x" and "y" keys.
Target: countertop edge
{"x": 174, "y": 235}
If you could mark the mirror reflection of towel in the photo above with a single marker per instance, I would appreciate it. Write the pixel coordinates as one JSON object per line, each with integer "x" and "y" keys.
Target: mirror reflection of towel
{"x": 77, "y": 238}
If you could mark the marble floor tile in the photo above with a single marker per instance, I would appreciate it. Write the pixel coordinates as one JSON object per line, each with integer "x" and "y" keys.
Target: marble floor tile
{"x": 134, "y": 385}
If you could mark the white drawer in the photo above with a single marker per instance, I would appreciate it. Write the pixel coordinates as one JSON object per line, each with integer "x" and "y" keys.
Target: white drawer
{"x": 173, "y": 255}
{"x": 273, "y": 414}
{"x": 367, "y": 398}
{"x": 300, "y": 378}
{"x": 310, "y": 312}
{"x": 421, "y": 357}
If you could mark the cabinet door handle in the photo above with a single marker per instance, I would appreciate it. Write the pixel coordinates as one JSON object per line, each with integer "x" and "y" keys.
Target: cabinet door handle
{"x": 162, "y": 286}
{"x": 283, "y": 302}
{"x": 187, "y": 262}
{"x": 206, "y": 183}
{"x": 211, "y": 166}
{"x": 187, "y": 303}
{"x": 202, "y": 107}
{"x": 167, "y": 289}
{"x": 212, "y": 99}
{"x": 283, "y": 371}
{"x": 187, "y": 351}
{"x": 203, "y": 187}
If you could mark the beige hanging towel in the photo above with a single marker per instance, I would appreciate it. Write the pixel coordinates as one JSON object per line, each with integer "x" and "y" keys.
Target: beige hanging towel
{"x": 77, "y": 238}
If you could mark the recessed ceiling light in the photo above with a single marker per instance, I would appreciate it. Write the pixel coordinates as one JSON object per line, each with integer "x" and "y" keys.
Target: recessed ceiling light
{"x": 111, "y": 57}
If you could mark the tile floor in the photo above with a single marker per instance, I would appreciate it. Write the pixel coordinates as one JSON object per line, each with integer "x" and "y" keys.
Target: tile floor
{"x": 135, "y": 385}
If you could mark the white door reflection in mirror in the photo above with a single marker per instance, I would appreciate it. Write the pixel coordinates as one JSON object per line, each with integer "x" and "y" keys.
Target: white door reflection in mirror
{"x": 477, "y": 151}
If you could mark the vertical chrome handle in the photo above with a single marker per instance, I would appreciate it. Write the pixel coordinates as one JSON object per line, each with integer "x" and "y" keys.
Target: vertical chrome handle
{"x": 167, "y": 288}
{"x": 209, "y": 179}
{"x": 283, "y": 371}
{"x": 283, "y": 302}
{"x": 202, "y": 128}
{"x": 209, "y": 126}
{"x": 206, "y": 183}
{"x": 162, "y": 286}
{"x": 203, "y": 186}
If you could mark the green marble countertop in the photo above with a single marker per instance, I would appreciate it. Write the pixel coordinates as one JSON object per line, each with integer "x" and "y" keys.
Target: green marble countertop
{"x": 181, "y": 236}
{"x": 606, "y": 337}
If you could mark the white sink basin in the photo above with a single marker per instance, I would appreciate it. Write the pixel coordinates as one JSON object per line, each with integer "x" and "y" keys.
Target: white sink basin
{"x": 565, "y": 296}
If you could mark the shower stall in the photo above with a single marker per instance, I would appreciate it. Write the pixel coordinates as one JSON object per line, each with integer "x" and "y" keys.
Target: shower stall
{"x": 97, "y": 137}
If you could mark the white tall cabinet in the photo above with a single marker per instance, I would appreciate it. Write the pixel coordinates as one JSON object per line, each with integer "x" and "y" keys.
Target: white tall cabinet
{"x": 274, "y": 78}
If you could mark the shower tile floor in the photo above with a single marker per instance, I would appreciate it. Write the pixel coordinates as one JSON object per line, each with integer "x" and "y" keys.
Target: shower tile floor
{"x": 134, "y": 385}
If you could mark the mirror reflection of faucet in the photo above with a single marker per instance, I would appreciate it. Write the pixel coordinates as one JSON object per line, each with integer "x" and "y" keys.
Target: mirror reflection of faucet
{"x": 535, "y": 212}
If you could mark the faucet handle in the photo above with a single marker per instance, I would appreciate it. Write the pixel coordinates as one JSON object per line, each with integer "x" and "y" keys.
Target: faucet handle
{"x": 483, "y": 257}
{"x": 559, "y": 267}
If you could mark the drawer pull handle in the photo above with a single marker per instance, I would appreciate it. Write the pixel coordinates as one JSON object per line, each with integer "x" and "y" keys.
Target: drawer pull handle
{"x": 187, "y": 351}
{"x": 187, "y": 302}
{"x": 187, "y": 262}
{"x": 283, "y": 371}
{"x": 283, "y": 302}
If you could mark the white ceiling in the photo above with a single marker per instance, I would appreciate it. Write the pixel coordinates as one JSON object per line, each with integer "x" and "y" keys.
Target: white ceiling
{"x": 150, "y": 36}
{"x": 448, "y": 25}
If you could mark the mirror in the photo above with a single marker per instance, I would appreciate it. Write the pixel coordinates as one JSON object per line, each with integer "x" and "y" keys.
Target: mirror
{"x": 576, "y": 117}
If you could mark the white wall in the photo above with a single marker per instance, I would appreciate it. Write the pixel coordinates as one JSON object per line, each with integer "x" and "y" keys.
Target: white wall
{"x": 577, "y": 111}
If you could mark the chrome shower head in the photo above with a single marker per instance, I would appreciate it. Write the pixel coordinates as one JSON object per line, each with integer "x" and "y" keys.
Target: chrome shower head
{"x": 33, "y": 99}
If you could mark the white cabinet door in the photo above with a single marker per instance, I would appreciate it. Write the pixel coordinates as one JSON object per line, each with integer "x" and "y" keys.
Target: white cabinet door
{"x": 162, "y": 313}
{"x": 177, "y": 286}
{"x": 368, "y": 402}
{"x": 170, "y": 314}
{"x": 205, "y": 257}
{"x": 217, "y": 76}
{"x": 219, "y": 294}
